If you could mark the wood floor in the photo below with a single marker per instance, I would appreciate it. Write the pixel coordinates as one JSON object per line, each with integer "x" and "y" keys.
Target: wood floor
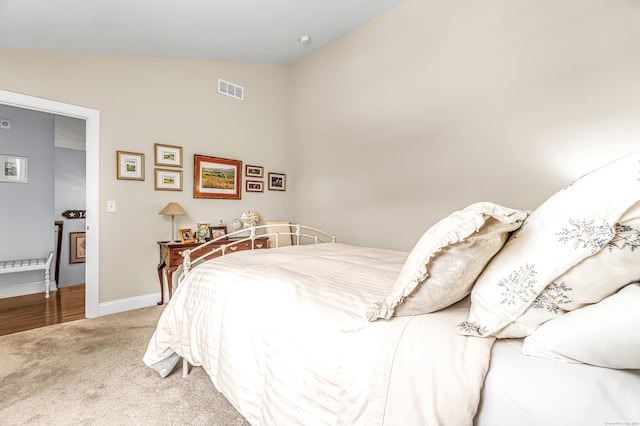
{"x": 34, "y": 310}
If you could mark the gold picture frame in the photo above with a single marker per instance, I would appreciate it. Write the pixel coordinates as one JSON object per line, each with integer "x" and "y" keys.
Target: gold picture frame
{"x": 186, "y": 235}
{"x": 130, "y": 165}
{"x": 253, "y": 171}
{"x": 167, "y": 155}
{"x": 254, "y": 186}
{"x": 168, "y": 180}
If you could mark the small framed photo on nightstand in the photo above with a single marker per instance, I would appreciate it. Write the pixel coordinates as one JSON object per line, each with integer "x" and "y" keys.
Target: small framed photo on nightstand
{"x": 186, "y": 236}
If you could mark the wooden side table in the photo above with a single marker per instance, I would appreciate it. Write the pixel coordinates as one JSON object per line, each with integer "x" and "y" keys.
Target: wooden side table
{"x": 171, "y": 257}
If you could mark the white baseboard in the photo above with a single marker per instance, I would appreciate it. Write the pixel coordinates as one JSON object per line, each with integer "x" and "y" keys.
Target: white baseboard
{"x": 130, "y": 303}
{"x": 106, "y": 308}
{"x": 25, "y": 289}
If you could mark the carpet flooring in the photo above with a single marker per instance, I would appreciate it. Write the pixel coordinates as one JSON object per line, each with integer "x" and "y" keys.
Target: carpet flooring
{"x": 90, "y": 372}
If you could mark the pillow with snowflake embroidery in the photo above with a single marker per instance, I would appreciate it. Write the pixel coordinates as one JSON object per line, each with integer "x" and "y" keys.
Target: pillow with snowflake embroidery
{"x": 572, "y": 225}
{"x": 606, "y": 334}
{"x": 590, "y": 281}
{"x": 447, "y": 259}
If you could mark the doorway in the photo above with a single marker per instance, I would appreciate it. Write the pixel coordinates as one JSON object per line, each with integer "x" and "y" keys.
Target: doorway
{"x": 92, "y": 120}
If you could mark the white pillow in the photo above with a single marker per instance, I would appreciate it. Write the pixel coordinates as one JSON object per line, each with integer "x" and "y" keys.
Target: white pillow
{"x": 606, "y": 334}
{"x": 446, "y": 261}
{"x": 569, "y": 227}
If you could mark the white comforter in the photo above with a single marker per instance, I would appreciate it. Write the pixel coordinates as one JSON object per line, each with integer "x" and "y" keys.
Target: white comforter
{"x": 283, "y": 335}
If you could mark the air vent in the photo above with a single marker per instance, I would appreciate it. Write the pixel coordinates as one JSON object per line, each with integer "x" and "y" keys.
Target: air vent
{"x": 230, "y": 89}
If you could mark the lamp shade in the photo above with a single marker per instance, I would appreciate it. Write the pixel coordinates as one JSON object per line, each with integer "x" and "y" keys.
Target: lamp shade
{"x": 172, "y": 209}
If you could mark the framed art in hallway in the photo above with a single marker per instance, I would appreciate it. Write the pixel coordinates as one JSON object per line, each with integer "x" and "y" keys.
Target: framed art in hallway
{"x": 14, "y": 169}
{"x": 130, "y": 165}
{"x": 277, "y": 181}
{"x": 216, "y": 177}
{"x": 168, "y": 155}
{"x": 77, "y": 248}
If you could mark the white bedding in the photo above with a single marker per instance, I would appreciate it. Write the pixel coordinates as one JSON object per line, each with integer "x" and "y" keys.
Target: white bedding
{"x": 283, "y": 335}
{"x": 530, "y": 391}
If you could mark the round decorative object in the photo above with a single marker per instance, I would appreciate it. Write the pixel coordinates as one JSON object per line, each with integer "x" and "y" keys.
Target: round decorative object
{"x": 250, "y": 218}
{"x": 236, "y": 224}
{"x": 202, "y": 233}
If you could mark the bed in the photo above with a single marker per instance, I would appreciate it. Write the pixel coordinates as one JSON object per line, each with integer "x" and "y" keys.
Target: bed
{"x": 497, "y": 316}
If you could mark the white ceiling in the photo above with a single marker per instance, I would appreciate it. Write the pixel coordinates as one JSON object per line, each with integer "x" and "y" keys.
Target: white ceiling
{"x": 265, "y": 31}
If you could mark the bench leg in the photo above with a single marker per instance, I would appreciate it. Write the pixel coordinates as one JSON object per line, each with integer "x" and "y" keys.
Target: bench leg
{"x": 47, "y": 281}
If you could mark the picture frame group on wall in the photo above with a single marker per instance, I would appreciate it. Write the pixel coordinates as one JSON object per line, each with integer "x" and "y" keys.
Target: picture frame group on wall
{"x": 14, "y": 169}
{"x": 216, "y": 177}
{"x": 130, "y": 165}
{"x": 277, "y": 181}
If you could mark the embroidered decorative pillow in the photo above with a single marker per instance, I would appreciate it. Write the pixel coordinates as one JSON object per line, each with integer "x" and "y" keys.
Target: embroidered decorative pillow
{"x": 569, "y": 227}
{"x": 606, "y": 334}
{"x": 590, "y": 281}
{"x": 445, "y": 262}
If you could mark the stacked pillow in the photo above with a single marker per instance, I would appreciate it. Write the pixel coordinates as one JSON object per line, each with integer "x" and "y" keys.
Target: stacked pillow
{"x": 446, "y": 261}
{"x": 606, "y": 334}
{"x": 577, "y": 248}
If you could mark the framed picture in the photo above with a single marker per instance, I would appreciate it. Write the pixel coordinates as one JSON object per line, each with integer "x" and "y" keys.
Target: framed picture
{"x": 277, "y": 181}
{"x": 254, "y": 171}
{"x": 14, "y": 169}
{"x": 217, "y": 231}
{"x": 168, "y": 180}
{"x": 254, "y": 186}
{"x": 216, "y": 177}
{"x": 168, "y": 155}
{"x": 186, "y": 236}
{"x": 77, "y": 248}
{"x": 130, "y": 165}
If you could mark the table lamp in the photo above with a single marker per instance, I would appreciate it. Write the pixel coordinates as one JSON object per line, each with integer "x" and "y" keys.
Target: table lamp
{"x": 172, "y": 209}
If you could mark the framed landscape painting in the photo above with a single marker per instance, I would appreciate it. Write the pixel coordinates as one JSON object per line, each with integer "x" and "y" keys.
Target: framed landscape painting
{"x": 216, "y": 177}
{"x": 168, "y": 155}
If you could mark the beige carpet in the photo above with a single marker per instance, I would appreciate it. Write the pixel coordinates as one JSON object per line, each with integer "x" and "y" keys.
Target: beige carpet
{"x": 90, "y": 372}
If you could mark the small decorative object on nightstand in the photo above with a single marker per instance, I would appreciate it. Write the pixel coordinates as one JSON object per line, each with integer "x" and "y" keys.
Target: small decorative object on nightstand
{"x": 250, "y": 218}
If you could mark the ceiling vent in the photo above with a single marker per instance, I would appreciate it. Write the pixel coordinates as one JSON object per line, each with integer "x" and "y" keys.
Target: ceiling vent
{"x": 230, "y": 89}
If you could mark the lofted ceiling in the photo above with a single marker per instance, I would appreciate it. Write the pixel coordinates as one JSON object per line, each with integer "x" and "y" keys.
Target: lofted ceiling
{"x": 264, "y": 31}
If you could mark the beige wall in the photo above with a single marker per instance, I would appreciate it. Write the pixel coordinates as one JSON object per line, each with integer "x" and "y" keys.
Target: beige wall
{"x": 438, "y": 104}
{"x": 143, "y": 101}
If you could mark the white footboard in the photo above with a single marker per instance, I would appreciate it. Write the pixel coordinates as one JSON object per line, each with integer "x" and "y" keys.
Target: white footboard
{"x": 300, "y": 234}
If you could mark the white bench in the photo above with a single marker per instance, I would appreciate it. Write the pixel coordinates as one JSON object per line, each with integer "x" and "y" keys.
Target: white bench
{"x": 10, "y": 266}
